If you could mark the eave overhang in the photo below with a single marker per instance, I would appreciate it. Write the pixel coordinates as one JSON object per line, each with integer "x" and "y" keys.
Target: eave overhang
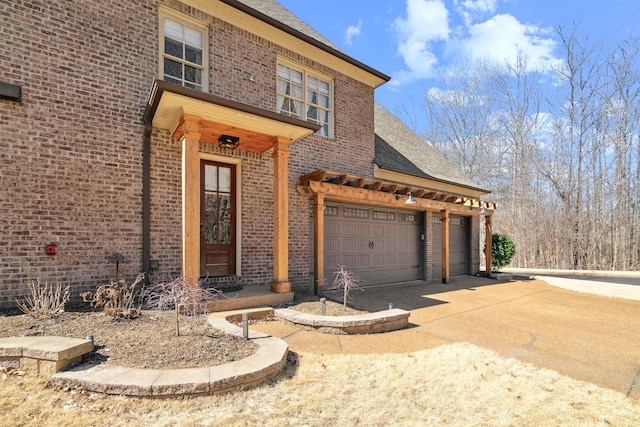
{"x": 169, "y": 104}
{"x": 429, "y": 181}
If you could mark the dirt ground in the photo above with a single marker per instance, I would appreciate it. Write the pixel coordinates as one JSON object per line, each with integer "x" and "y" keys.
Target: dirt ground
{"x": 150, "y": 340}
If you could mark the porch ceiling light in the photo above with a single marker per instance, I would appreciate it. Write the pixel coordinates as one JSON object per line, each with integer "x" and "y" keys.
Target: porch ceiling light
{"x": 484, "y": 211}
{"x": 228, "y": 141}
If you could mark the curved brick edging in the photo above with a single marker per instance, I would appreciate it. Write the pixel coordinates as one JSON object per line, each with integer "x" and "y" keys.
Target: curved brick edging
{"x": 367, "y": 323}
{"x": 266, "y": 362}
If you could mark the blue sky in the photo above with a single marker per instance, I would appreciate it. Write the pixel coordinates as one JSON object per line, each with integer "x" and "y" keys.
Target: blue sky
{"x": 410, "y": 40}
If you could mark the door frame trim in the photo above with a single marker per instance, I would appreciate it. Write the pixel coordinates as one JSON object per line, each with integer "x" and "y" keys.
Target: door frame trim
{"x": 238, "y": 193}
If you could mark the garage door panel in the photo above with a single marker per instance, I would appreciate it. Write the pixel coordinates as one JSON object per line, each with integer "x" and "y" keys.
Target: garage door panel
{"x": 377, "y": 232}
{"x": 390, "y": 245}
{"x": 458, "y": 246}
{"x": 331, "y": 246}
{"x": 331, "y": 229}
{"x": 379, "y": 246}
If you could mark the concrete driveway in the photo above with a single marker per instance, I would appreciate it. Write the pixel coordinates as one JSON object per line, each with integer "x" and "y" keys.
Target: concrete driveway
{"x": 586, "y": 337}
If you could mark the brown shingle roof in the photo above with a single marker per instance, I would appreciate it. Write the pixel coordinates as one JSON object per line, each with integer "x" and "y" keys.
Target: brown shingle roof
{"x": 275, "y": 10}
{"x": 400, "y": 149}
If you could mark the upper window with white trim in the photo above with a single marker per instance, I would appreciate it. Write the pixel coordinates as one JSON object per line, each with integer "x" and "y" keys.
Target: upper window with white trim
{"x": 306, "y": 96}
{"x": 183, "y": 51}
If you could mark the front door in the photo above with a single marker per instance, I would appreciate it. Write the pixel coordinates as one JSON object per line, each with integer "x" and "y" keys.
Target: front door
{"x": 217, "y": 219}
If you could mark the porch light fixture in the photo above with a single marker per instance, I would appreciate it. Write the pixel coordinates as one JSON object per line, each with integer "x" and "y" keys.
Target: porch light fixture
{"x": 228, "y": 141}
{"x": 484, "y": 211}
{"x": 410, "y": 200}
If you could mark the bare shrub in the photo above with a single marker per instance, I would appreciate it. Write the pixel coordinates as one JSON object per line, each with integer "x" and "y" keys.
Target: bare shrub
{"x": 116, "y": 299}
{"x": 45, "y": 300}
{"x": 347, "y": 281}
{"x": 185, "y": 298}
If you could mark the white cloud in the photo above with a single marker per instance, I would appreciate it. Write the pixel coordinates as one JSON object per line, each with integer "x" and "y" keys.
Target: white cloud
{"x": 352, "y": 31}
{"x": 502, "y": 38}
{"x": 430, "y": 36}
{"x": 427, "y": 21}
{"x": 470, "y": 9}
{"x": 485, "y": 6}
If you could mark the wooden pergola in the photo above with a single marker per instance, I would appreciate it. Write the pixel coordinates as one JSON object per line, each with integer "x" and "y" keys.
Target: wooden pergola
{"x": 323, "y": 184}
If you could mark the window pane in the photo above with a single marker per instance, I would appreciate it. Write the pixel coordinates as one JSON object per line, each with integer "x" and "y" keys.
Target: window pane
{"x": 323, "y": 116}
{"x": 192, "y": 75}
{"x": 170, "y": 80}
{"x": 284, "y": 87}
{"x": 193, "y": 55}
{"x": 172, "y": 47}
{"x": 324, "y": 88}
{"x": 193, "y": 37}
{"x": 312, "y": 114}
{"x": 297, "y": 91}
{"x": 312, "y": 97}
{"x": 225, "y": 180}
{"x": 323, "y": 101}
{"x": 297, "y": 108}
{"x": 173, "y": 29}
{"x": 210, "y": 178}
{"x": 312, "y": 83}
{"x": 284, "y": 72}
{"x": 296, "y": 76}
{"x": 172, "y": 68}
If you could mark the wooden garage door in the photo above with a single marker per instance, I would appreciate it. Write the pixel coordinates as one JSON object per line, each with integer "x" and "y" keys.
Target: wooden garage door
{"x": 458, "y": 246}
{"x": 379, "y": 245}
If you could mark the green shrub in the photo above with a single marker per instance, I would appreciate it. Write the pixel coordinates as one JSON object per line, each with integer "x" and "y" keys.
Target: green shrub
{"x": 502, "y": 251}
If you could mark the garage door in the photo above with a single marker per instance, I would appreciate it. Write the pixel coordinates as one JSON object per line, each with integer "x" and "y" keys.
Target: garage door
{"x": 458, "y": 246}
{"x": 379, "y": 245}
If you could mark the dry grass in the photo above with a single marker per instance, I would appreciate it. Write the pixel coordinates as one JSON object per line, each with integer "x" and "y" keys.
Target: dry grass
{"x": 458, "y": 385}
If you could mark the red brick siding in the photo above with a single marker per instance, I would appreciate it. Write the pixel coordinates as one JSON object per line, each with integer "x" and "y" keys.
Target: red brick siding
{"x": 71, "y": 151}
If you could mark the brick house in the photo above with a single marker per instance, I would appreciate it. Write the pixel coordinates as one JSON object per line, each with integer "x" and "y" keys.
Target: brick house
{"x": 222, "y": 139}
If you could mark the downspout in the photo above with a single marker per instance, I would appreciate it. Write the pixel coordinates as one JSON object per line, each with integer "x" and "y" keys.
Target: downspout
{"x": 146, "y": 199}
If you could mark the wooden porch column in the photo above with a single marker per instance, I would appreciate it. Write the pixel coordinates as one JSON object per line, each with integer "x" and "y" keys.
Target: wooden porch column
{"x": 445, "y": 246}
{"x": 190, "y": 201}
{"x": 487, "y": 242}
{"x": 318, "y": 239}
{"x": 281, "y": 154}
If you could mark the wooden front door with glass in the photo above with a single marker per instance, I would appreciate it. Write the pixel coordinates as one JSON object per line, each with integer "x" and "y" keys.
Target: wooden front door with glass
{"x": 217, "y": 219}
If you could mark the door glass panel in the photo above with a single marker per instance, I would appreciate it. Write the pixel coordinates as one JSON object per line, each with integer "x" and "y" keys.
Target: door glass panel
{"x": 225, "y": 180}
{"x": 211, "y": 218}
{"x": 210, "y": 178}
{"x": 225, "y": 232}
{"x": 225, "y": 206}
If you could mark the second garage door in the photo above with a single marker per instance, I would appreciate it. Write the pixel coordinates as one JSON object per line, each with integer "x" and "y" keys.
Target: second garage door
{"x": 379, "y": 245}
{"x": 458, "y": 246}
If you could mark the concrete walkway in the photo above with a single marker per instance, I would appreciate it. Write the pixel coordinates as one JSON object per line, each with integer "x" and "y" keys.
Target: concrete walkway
{"x": 587, "y": 337}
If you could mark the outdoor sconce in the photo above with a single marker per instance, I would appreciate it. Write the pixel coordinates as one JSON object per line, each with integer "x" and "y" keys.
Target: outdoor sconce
{"x": 410, "y": 200}
{"x": 228, "y": 141}
{"x": 483, "y": 212}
